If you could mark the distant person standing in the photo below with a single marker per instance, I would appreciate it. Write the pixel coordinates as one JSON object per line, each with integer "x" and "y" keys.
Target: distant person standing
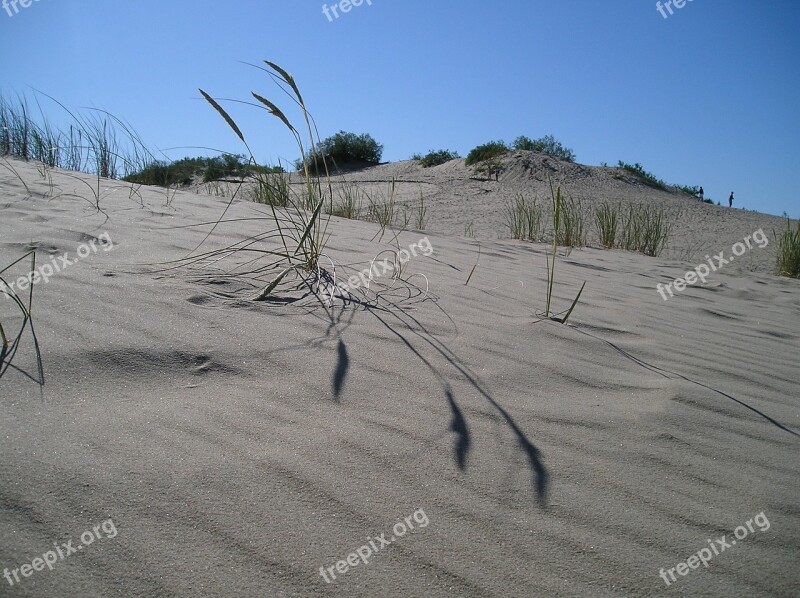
{"x": 730, "y": 200}
{"x": 700, "y": 195}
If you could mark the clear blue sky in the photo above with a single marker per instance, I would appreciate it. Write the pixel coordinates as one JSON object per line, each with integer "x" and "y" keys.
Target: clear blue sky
{"x": 708, "y": 96}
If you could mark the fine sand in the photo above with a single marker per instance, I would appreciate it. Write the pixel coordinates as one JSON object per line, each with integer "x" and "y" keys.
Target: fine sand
{"x": 240, "y": 446}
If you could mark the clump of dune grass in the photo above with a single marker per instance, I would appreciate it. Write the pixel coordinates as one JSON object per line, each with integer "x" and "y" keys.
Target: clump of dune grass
{"x": 382, "y": 209}
{"x": 558, "y": 212}
{"x": 655, "y": 230}
{"x": 272, "y": 189}
{"x": 422, "y": 211}
{"x": 295, "y": 217}
{"x": 524, "y": 218}
{"x": 607, "y": 218}
{"x": 350, "y": 202}
{"x": 95, "y": 142}
{"x": 645, "y": 229}
{"x": 571, "y": 231}
{"x": 788, "y": 263}
{"x": 9, "y": 346}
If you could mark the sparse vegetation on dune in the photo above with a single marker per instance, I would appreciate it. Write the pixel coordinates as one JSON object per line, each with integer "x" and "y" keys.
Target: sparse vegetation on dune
{"x": 640, "y": 227}
{"x": 648, "y": 178}
{"x": 486, "y": 151}
{"x": 523, "y": 216}
{"x": 435, "y": 158}
{"x": 547, "y": 145}
{"x": 606, "y": 219}
{"x": 94, "y": 142}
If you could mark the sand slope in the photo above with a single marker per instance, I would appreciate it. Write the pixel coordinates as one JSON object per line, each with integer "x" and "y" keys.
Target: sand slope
{"x": 240, "y": 446}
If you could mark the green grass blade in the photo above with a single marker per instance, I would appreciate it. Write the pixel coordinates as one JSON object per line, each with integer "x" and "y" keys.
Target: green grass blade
{"x": 566, "y": 317}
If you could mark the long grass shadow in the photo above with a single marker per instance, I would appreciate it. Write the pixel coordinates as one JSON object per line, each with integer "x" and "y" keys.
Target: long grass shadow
{"x": 340, "y": 371}
{"x": 459, "y": 426}
{"x": 540, "y": 480}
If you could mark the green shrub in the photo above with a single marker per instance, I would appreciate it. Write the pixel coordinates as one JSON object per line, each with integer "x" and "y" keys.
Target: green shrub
{"x": 548, "y": 145}
{"x": 493, "y": 149}
{"x": 648, "y": 178}
{"x": 342, "y": 150}
{"x": 435, "y": 158}
{"x": 789, "y": 251}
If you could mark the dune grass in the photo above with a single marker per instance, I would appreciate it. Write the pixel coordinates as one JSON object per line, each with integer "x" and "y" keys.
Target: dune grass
{"x": 645, "y": 229}
{"x": 524, "y": 218}
{"x": 350, "y": 204}
{"x": 421, "y": 214}
{"x": 295, "y": 218}
{"x": 272, "y": 189}
{"x": 382, "y": 210}
{"x": 571, "y": 231}
{"x": 95, "y": 141}
{"x": 606, "y": 219}
{"x": 788, "y": 261}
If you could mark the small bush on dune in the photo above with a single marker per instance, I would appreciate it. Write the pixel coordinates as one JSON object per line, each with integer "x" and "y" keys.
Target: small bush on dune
{"x": 342, "y": 150}
{"x": 486, "y": 151}
{"x": 548, "y": 145}
{"x": 435, "y": 158}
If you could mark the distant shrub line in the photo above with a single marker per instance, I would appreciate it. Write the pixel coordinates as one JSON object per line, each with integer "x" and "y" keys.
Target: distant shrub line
{"x": 184, "y": 171}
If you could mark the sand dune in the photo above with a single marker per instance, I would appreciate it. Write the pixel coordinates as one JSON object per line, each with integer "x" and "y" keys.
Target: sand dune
{"x": 239, "y": 446}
